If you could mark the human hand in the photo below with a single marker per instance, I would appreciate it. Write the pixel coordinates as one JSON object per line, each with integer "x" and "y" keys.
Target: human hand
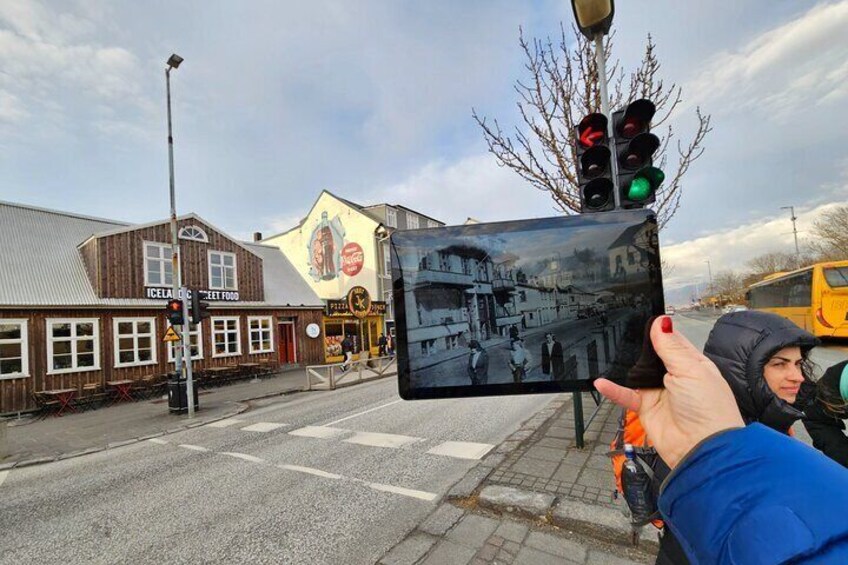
{"x": 695, "y": 403}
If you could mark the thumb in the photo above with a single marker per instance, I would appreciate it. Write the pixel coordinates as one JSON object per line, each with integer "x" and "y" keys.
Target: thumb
{"x": 676, "y": 352}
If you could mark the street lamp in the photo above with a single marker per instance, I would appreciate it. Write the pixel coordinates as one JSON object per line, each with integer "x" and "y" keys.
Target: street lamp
{"x": 594, "y": 18}
{"x": 794, "y": 231}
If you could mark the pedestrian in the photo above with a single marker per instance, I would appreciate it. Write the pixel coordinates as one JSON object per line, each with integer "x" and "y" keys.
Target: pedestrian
{"x": 513, "y": 333}
{"x": 553, "y": 363}
{"x": 390, "y": 344}
{"x": 518, "y": 361}
{"x": 478, "y": 363}
{"x": 825, "y": 405}
{"x": 382, "y": 345}
{"x": 347, "y": 351}
{"x": 738, "y": 493}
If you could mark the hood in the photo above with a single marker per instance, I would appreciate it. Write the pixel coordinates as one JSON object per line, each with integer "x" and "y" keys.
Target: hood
{"x": 740, "y": 344}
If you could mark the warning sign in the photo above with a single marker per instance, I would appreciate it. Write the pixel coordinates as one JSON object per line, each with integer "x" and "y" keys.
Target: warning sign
{"x": 171, "y": 335}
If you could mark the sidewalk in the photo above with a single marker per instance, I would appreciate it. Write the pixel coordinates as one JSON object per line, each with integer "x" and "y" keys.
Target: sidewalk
{"x": 535, "y": 499}
{"x": 31, "y": 441}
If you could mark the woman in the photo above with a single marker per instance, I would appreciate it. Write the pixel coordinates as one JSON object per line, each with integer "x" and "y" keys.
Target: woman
{"x": 518, "y": 360}
{"x": 825, "y": 407}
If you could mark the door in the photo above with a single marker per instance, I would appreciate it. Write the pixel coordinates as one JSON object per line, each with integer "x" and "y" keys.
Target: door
{"x": 286, "y": 346}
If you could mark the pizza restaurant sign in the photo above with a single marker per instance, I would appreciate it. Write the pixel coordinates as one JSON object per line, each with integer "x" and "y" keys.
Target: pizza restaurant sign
{"x": 161, "y": 293}
{"x": 357, "y": 303}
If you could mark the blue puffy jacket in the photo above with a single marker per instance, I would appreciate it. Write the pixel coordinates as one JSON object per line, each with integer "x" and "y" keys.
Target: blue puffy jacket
{"x": 752, "y": 495}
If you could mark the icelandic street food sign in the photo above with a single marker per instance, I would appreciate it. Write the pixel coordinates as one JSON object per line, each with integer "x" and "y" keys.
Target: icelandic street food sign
{"x": 162, "y": 293}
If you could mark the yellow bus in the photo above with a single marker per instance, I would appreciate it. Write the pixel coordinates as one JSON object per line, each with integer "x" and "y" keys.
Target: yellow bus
{"x": 815, "y": 297}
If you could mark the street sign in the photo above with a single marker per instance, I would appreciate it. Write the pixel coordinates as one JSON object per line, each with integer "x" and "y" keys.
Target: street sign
{"x": 171, "y": 335}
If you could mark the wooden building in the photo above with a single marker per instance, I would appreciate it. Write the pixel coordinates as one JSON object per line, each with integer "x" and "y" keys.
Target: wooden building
{"x": 82, "y": 301}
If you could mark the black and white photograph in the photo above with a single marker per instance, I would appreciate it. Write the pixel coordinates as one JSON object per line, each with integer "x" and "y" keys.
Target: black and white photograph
{"x": 526, "y": 306}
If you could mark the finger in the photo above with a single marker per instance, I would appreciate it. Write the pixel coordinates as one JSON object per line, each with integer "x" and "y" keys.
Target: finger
{"x": 617, "y": 394}
{"x": 676, "y": 352}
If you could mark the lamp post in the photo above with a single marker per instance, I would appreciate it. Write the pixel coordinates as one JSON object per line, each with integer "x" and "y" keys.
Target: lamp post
{"x": 174, "y": 62}
{"x": 710, "y": 272}
{"x": 795, "y": 232}
{"x": 594, "y": 18}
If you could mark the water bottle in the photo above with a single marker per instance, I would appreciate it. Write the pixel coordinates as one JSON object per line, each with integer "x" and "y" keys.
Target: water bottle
{"x": 636, "y": 484}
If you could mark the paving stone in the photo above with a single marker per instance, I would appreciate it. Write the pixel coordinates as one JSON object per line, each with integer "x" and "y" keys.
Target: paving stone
{"x": 597, "y": 478}
{"x": 504, "y": 557}
{"x": 562, "y": 547}
{"x": 567, "y": 473}
{"x": 568, "y": 511}
{"x": 554, "y": 443}
{"x": 535, "y": 467}
{"x": 442, "y": 520}
{"x": 449, "y": 553}
{"x": 602, "y": 558}
{"x": 512, "y": 531}
{"x": 600, "y": 462}
{"x": 545, "y": 453}
{"x": 520, "y": 435}
{"x": 523, "y": 502}
{"x": 511, "y": 547}
{"x": 496, "y": 540}
{"x": 488, "y": 553}
{"x": 530, "y": 556}
{"x": 469, "y": 483}
{"x": 561, "y": 433}
{"x": 409, "y": 550}
{"x": 473, "y": 530}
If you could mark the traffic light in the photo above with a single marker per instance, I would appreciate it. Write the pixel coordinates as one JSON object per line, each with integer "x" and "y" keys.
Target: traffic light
{"x": 174, "y": 312}
{"x": 635, "y": 145}
{"x": 594, "y": 173}
{"x": 199, "y": 309}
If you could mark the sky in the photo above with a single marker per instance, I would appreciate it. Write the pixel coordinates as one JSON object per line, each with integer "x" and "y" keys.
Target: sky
{"x": 372, "y": 100}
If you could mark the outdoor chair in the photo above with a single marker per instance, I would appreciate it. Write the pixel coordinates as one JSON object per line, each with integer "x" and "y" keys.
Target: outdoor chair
{"x": 89, "y": 397}
{"x": 45, "y": 406}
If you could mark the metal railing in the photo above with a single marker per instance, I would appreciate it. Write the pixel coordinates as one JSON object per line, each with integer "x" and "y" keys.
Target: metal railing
{"x": 332, "y": 375}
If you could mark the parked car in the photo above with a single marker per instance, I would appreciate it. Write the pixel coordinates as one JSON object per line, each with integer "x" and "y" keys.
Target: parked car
{"x": 669, "y": 310}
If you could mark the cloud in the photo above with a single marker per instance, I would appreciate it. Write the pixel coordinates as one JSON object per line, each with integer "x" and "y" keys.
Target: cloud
{"x": 731, "y": 249}
{"x": 800, "y": 64}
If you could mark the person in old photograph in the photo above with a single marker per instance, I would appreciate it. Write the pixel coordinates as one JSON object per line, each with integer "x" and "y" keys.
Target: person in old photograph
{"x": 513, "y": 333}
{"x": 553, "y": 363}
{"x": 518, "y": 360}
{"x": 478, "y": 363}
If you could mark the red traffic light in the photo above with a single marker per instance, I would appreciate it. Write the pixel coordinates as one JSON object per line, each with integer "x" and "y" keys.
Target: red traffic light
{"x": 592, "y": 129}
{"x": 175, "y": 305}
{"x": 637, "y": 118}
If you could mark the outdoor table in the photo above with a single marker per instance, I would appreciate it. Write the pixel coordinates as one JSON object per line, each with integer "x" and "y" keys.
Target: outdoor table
{"x": 121, "y": 390}
{"x": 249, "y": 365}
{"x": 64, "y": 396}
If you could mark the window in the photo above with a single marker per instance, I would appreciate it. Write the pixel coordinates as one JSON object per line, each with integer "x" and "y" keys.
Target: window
{"x": 631, "y": 258}
{"x": 391, "y": 217}
{"x": 411, "y": 221}
{"x": 451, "y": 341}
{"x": 387, "y": 260}
{"x": 225, "y": 337}
{"x": 836, "y": 277}
{"x": 135, "y": 341}
{"x": 261, "y": 340}
{"x": 444, "y": 261}
{"x": 522, "y": 296}
{"x": 222, "y": 270}
{"x": 432, "y": 224}
{"x": 158, "y": 269}
{"x": 195, "y": 338}
{"x": 193, "y": 233}
{"x": 73, "y": 345}
{"x": 14, "y": 349}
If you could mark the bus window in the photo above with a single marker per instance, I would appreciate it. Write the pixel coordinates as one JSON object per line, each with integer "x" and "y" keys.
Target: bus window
{"x": 836, "y": 277}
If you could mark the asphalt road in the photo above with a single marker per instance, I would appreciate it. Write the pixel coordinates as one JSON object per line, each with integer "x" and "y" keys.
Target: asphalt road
{"x": 328, "y": 477}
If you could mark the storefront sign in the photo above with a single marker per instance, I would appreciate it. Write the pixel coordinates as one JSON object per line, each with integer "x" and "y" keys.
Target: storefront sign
{"x": 359, "y": 301}
{"x": 161, "y": 293}
{"x": 353, "y": 258}
{"x": 378, "y": 309}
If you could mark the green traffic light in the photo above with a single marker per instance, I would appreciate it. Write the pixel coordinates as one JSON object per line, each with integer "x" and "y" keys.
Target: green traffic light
{"x": 644, "y": 183}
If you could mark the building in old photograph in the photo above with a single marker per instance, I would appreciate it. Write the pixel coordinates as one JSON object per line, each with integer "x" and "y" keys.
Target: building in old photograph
{"x": 82, "y": 301}
{"x": 341, "y": 250}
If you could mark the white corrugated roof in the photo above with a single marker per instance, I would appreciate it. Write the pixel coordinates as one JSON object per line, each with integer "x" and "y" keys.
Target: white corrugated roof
{"x": 40, "y": 264}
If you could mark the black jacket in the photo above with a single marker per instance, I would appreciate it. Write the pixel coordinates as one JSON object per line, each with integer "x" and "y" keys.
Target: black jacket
{"x": 740, "y": 344}
{"x": 824, "y": 412}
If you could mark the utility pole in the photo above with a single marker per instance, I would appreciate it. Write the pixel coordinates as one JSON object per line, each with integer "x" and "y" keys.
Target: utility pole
{"x": 710, "y": 272}
{"x": 794, "y": 232}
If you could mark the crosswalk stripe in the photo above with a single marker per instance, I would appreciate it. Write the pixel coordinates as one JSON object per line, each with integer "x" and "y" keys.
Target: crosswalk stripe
{"x": 225, "y": 423}
{"x": 244, "y": 456}
{"x": 323, "y": 432}
{"x": 192, "y": 447}
{"x": 263, "y": 427}
{"x": 462, "y": 449}
{"x": 381, "y": 440}
{"x": 412, "y": 493}
{"x": 310, "y": 471}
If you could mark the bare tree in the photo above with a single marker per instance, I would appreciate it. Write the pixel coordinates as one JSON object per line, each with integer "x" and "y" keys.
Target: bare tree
{"x": 830, "y": 235}
{"x": 562, "y": 88}
{"x": 773, "y": 262}
{"x": 729, "y": 285}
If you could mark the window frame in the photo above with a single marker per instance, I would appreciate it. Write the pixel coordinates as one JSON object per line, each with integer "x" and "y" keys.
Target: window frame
{"x": 75, "y": 368}
{"x": 116, "y": 337}
{"x": 409, "y": 221}
{"x": 164, "y": 260}
{"x": 223, "y": 267}
{"x": 24, "y": 343}
{"x": 432, "y": 223}
{"x": 391, "y": 217}
{"x": 237, "y": 320}
{"x": 251, "y": 329}
{"x": 198, "y": 331}
{"x": 203, "y": 237}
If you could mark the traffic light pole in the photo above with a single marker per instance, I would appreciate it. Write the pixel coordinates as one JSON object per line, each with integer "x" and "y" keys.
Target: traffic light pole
{"x": 601, "y": 63}
{"x": 175, "y": 245}
{"x": 185, "y": 347}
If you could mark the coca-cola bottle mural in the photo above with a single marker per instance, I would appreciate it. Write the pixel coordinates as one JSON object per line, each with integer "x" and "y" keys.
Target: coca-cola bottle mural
{"x": 325, "y": 249}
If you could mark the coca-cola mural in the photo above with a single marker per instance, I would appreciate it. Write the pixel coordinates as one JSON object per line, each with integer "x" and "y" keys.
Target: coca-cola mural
{"x": 329, "y": 255}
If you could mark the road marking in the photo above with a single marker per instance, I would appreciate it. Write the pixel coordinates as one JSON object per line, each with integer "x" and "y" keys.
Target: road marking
{"x": 364, "y": 412}
{"x": 3, "y": 475}
{"x": 243, "y": 456}
{"x": 263, "y": 427}
{"x": 192, "y": 447}
{"x": 224, "y": 423}
{"x": 323, "y": 432}
{"x": 462, "y": 449}
{"x": 158, "y": 441}
{"x": 381, "y": 440}
{"x": 311, "y": 471}
{"x": 419, "y": 494}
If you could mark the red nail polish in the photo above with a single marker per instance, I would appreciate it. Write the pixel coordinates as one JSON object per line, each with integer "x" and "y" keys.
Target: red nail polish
{"x": 666, "y": 325}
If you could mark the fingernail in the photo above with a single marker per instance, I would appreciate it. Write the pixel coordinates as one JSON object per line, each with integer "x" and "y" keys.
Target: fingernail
{"x": 666, "y": 325}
